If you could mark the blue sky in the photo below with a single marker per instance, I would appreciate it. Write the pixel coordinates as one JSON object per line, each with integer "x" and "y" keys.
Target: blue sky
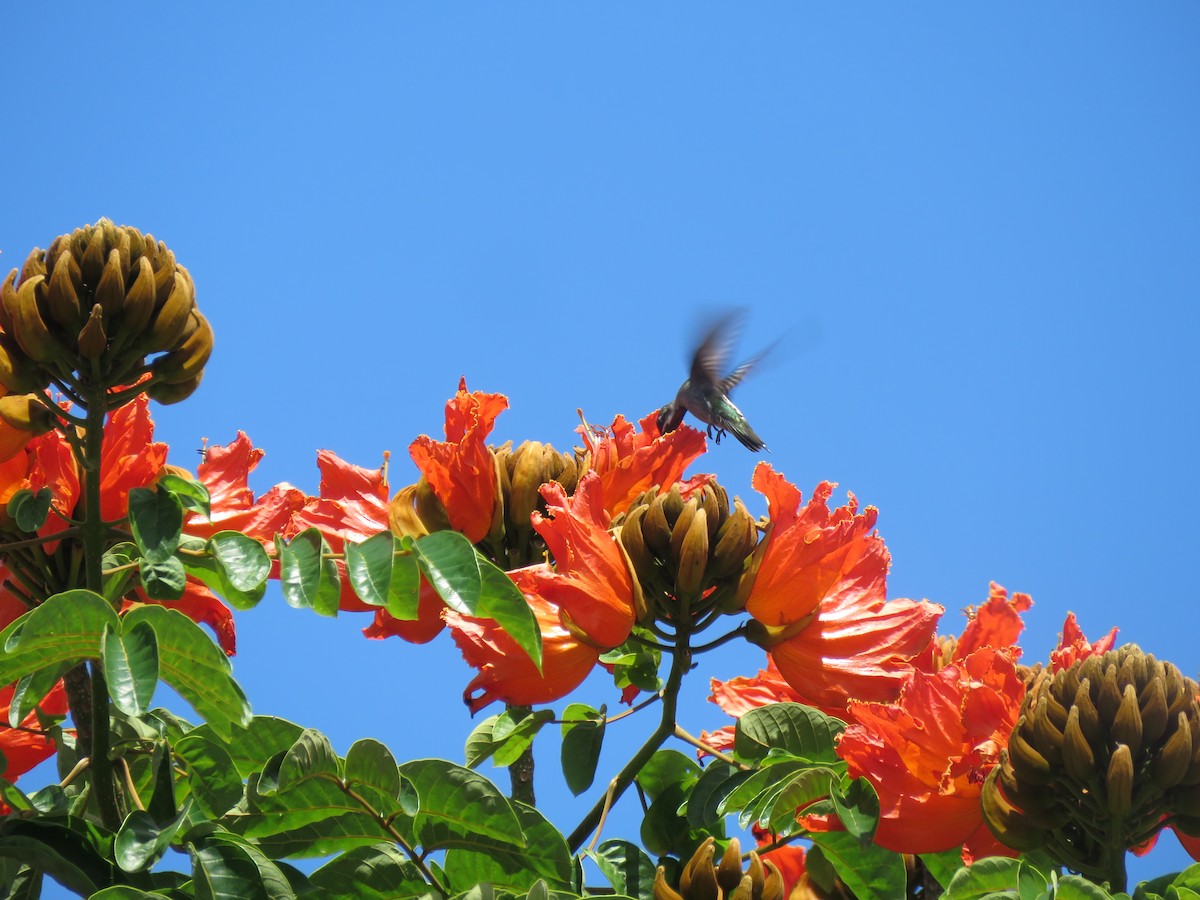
{"x": 975, "y": 223}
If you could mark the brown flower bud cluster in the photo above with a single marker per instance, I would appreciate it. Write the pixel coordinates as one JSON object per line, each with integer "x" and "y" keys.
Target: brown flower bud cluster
{"x": 520, "y": 473}
{"x": 92, "y": 307}
{"x": 1104, "y": 754}
{"x": 681, "y": 550}
{"x": 704, "y": 879}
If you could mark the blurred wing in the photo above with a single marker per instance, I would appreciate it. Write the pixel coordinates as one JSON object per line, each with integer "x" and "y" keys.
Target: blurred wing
{"x": 714, "y": 349}
{"x": 730, "y": 381}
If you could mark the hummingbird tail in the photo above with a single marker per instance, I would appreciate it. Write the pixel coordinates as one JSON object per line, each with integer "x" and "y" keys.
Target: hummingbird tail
{"x": 748, "y": 439}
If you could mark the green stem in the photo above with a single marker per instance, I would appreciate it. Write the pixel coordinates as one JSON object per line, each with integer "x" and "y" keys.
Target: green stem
{"x": 93, "y": 531}
{"x": 680, "y": 663}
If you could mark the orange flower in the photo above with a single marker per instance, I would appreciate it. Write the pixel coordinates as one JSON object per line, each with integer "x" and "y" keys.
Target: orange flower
{"x": 225, "y": 471}
{"x": 505, "y": 671}
{"x": 820, "y": 588}
{"x": 424, "y": 628}
{"x": 24, "y": 749}
{"x": 929, "y": 753}
{"x": 460, "y": 469}
{"x": 788, "y": 859}
{"x": 630, "y": 462}
{"x": 584, "y": 605}
{"x": 591, "y": 583}
{"x": 995, "y": 624}
{"x": 1073, "y": 646}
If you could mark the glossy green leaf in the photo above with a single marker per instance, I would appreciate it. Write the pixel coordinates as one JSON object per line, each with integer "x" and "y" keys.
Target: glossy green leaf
{"x": 664, "y": 770}
{"x": 716, "y": 782}
{"x": 582, "y": 739}
{"x": 130, "y": 656}
{"x": 867, "y": 871}
{"x": 458, "y": 806}
{"x": 543, "y": 856}
{"x": 857, "y": 805}
{"x": 156, "y": 519}
{"x": 20, "y": 882}
{"x": 116, "y": 562}
{"x": 664, "y": 830}
{"x": 310, "y": 756}
{"x": 807, "y": 785}
{"x": 758, "y": 792}
{"x": 224, "y": 869}
{"x": 164, "y": 580}
{"x": 72, "y": 851}
{"x": 380, "y": 872}
{"x": 246, "y": 564}
{"x": 252, "y": 745}
{"x": 191, "y": 494}
{"x": 479, "y": 745}
{"x": 211, "y": 774}
{"x": 449, "y": 563}
{"x": 124, "y": 892}
{"x": 32, "y": 690}
{"x": 382, "y": 577}
{"x": 370, "y": 764}
{"x": 627, "y": 868}
{"x": 800, "y": 730}
{"x": 195, "y": 667}
{"x": 516, "y": 729}
{"x": 308, "y": 576}
{"x": 502, "y": 602}
{"x": 30, "y": 510}
{"x": 943, "y": 866}
{"x": 303, "y": 810}
{"x": 51, "y": 799}
{"x": 66, "y": 628}
{"x": 13, "y": 795}
{"x": 991, "y": 875}
{"x": 140, "y": 841}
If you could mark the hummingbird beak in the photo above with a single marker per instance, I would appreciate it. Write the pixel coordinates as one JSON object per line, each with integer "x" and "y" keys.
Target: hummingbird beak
{"x": 669, "y": 418}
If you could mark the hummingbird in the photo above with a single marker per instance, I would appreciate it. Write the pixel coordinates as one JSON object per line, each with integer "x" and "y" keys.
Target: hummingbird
{"x": 705, "y": 394}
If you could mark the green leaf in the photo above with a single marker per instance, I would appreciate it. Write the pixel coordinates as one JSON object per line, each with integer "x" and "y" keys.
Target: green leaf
{"x": 130, "y": 656}
{"x": 32, "y": 690}
{"x": 449, "y": 563}
{"x": 943, "y": 866}
{"x": 66, "y": 628}
{"x": 244, "y": 561}
{"x": 310, "y": 756}
{"x": 13, "y": 795}
{"x": 479, "y": 744}
{"x": 211, "y": 774}
{"x": 716, "y": 782}
{"x": 124, "y": 892}
{"x": 809, "y": 784}
{"x": 501, "y": 601}
{"x": 195, "y": 667}
{"x": 225, "y": 869}
{"x": 382, "y": 577}
{"x": 664, "y": 770}
{"x": 868, "y": 871}
{"x": 664, "y": 830}
{"x": 755, "y": 796}
{"x": 308, "y": 576}
{"x": 191, "y": 494}
{"x": 70, "y": 850}
{"x": 800, "y": 730}
{"x": 858, "y": 808}
{"x": 156, "y": 518}
{"x": 518, "y": 728}
{"x": 627, "y": 868}
{"x": 995, "y": 874}
{"x": 582, "y": 738}
{"x": 164, "y": 580}
{"x": 371, "y": 764}
{"x": 119, "y": 557}
{"x": 459, "y": 806}
{"x": 379, "y": 872}
{"x": 30, "y": 510}
{"x": 1075, "y": 887}
{"x": 542, "y": 856}
{"x": 252, "y": 745}
{"x": 141, "y": 841}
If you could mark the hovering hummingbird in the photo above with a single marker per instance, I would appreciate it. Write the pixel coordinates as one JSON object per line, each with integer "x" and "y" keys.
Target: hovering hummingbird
{"x": 705, "y": 394}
